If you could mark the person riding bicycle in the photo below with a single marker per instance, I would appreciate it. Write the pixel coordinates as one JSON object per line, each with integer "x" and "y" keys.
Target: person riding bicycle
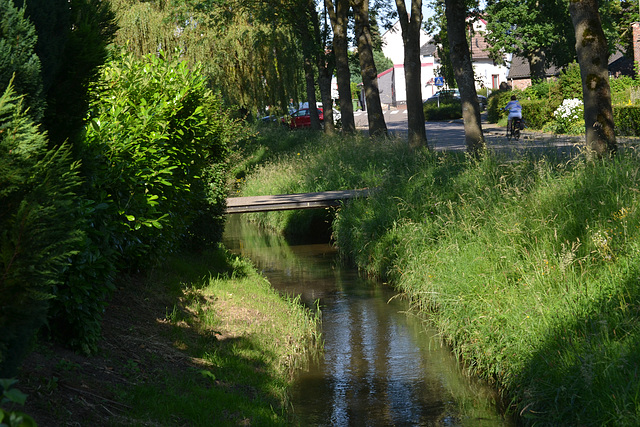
{"x": 515, "y": 111}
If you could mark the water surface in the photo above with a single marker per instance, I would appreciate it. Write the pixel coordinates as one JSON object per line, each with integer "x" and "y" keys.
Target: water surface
{"x": 381, "y": 366}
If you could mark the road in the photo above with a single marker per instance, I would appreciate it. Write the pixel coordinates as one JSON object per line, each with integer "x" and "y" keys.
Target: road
{"x": 449, "y": 135}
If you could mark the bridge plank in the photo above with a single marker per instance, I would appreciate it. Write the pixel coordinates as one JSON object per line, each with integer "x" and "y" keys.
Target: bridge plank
{"x": 292, "y": 201}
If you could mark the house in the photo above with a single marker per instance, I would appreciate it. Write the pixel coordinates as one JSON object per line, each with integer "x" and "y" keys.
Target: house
{"x": 391, "y": 82}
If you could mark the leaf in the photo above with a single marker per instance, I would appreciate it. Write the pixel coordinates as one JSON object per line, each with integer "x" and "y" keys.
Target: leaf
{"x": 130, "y": 217}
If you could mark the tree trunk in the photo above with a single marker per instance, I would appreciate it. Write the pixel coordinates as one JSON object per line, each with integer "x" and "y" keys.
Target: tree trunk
{"x": 537, "y": 65}
{"x": 339, "y": 21}
{"x": 593, "y": 54}
{"x": 368, "y": 71}
{"x": 413, "y": 70}
{"x": 326, "y": 64}
{"x": 456, "y": 13}
{"x": 311, "y": 93}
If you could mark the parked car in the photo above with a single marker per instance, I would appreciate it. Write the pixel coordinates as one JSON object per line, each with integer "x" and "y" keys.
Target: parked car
{"x": 453, "y": 94}
{"x": 302, "y": 119}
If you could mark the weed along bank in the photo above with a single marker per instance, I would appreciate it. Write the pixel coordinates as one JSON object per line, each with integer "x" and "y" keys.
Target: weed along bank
{"x": 526, "y": 266}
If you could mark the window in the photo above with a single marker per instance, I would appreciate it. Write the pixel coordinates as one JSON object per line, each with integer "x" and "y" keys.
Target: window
{"x": 495, "y": 81}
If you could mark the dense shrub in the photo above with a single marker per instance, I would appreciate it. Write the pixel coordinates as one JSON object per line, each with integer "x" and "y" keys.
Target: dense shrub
{"x": 18, "y": 62}
{"x": 152, "y": 154}
{"x": 627, "y": 120}
{"x": 448, "y": 110}
{"x": 536, "y": 113}
{"x": 569, "y": 83}
{"x": 621, "y": 84}
{"x": 38, "y": 228}
{"x": 539, "y": 90}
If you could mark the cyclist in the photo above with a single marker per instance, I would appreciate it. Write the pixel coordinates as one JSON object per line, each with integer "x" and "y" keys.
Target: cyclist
{"x": 515, "y": 111}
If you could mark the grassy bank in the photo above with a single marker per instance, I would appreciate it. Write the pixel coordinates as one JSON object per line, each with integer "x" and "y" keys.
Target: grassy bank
{"x": 204, "y": 340}
{"x": 529, "y": 267}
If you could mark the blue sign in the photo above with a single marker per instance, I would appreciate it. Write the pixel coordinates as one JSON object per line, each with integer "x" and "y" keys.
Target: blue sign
{"x": 439, "y": 81}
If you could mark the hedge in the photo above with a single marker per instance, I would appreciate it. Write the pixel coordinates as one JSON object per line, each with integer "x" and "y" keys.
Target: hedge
{"x": 627, "y": 120}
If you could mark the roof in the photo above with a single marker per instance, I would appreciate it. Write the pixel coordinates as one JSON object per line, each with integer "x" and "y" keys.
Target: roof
{"x": 520, "y": 69}
{"x": 479, "y": 47}
{"x": 428, "y": 49}
{"x": 618, "y": 64}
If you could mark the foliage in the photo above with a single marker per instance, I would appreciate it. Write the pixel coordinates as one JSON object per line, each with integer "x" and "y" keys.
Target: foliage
{"x": 621, "y": 84}
{"x": 570, "y": 82}
{"x": 448, "y": 110}
{"x": 539, "y": 90}
{"x": 88, "y": 30}
{"x": 38, "y": 227}
{"x": 536, "y": 113}
{"x": 627, "y": 119}
{"x": 154, "y": 129}
{"x": 14, "y": 396}
{"x": 249, "y": 51}
{"x": 568, "y": 118}
{"x": 152, "y": 157}
{"x": 19, "y": 62}
{"x": 525, "y": 28}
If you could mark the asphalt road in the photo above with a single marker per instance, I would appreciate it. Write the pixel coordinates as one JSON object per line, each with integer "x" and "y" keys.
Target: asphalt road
{"x": 449, "y": 135}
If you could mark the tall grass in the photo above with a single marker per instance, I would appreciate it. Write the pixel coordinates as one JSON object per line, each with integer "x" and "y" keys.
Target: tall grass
{"x": 528, "y": 266}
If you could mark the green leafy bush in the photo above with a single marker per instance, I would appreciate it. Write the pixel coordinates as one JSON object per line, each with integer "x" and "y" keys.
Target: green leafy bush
{"x": 627, "y": 120}
{"x": 38, "y": 228}
{"x": 569, "y": 83}
{"x": 450, "y": 109}
{"x": 11, "y": 395}
{"x": 539, "y": 90}
{"x": 154, "y": 130}
{"x": 536, "y": 113}
{"x": 153, "y": 152}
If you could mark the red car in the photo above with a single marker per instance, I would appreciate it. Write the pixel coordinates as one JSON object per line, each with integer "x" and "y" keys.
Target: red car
{"x": 302, "y": 119}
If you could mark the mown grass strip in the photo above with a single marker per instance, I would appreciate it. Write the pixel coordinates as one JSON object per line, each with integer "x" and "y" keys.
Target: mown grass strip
{"x": 244, "y": 341}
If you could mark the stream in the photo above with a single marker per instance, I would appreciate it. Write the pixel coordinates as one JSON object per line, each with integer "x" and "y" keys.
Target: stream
{"x": 381, "y": 366}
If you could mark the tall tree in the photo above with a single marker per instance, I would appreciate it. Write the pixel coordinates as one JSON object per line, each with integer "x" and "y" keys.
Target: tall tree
{"x": 18, "y": 61}
{"x": 338, "y": 11}
{"x": 247, "y": 49}
{"x": 368, "y": 68}
{"x": 593, "y": 54}
{"x": 456, "y": 14}
{"x": 411, "y": 25}
{"x": 537, "y": 30}
{"x": 325, "y": 62}
{"x": 90, "y": 28}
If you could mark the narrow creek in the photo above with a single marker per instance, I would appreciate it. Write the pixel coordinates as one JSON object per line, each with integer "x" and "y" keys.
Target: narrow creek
{"x": 381, "y": 365}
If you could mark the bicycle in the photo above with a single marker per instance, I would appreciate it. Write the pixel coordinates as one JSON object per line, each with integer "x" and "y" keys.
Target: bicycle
{"x": 513, "y": 131}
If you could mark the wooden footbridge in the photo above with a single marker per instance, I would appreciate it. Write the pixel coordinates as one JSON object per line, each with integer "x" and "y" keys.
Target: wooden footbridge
{"x": 283, "y": 202}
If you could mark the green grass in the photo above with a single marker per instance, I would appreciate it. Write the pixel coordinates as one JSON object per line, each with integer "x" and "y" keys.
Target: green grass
{"x": 245, "y": 341}
{"x": 529, "y": 267}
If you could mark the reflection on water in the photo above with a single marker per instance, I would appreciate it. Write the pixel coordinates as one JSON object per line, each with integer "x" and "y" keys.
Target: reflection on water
{"x": 381, "y": 366}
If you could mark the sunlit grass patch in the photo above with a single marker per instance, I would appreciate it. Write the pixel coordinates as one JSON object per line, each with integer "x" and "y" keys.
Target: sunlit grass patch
{"x": 244, "y": 341}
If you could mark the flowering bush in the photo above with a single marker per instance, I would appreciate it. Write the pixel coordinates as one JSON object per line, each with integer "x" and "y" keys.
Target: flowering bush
{"x": 568, "y": 117}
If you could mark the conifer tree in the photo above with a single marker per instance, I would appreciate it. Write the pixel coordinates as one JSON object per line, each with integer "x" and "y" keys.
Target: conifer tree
{"x": 37, "y": 227}
{"x": 18, "y": 60}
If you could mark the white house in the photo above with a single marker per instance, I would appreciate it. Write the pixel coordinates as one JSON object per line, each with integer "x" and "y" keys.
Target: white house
{"x": 392, "y": 82}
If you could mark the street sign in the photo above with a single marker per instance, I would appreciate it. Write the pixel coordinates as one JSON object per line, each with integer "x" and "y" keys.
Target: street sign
{"x": 439, "y": 81}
